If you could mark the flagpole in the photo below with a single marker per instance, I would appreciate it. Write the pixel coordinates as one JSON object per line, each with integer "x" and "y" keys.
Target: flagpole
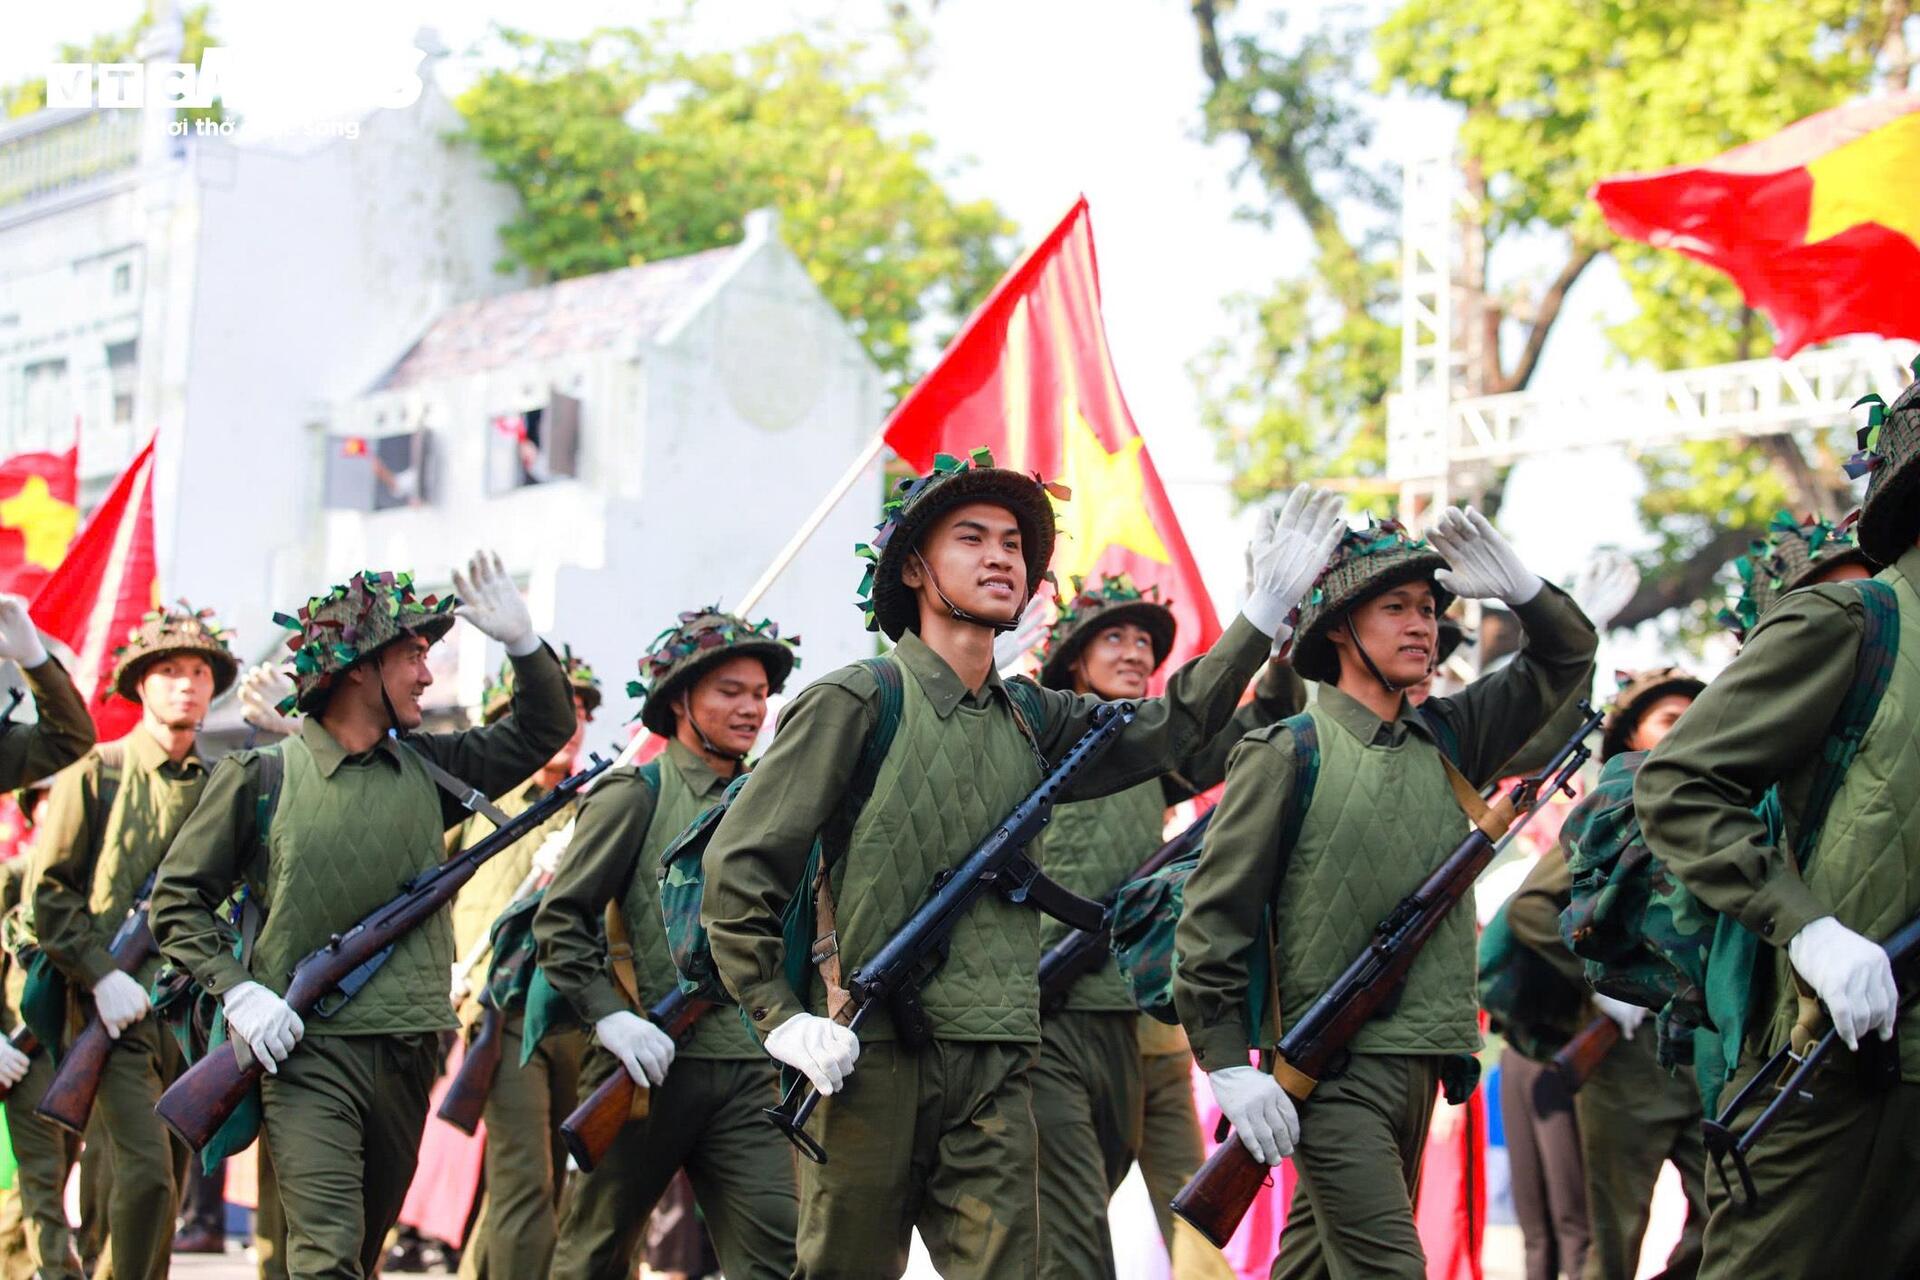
{"x": 813, "y": 523}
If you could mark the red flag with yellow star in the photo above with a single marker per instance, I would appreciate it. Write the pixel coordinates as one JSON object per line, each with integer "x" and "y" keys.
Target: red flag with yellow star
{"x": 1817, "y": 224}
{"x": 37, "y": 517}
{"x": 100, "y": 592}
{"x": 1030, "y": 378}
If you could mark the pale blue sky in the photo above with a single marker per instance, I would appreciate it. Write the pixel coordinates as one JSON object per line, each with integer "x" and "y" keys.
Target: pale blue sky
{"x": 1031, "y": 102}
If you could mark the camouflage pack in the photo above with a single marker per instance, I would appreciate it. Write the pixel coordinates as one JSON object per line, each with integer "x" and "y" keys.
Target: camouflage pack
{"x": 1528, "y": 1002}
{"x": 1643, "y": 935}
{"x": 1147, "y": 911}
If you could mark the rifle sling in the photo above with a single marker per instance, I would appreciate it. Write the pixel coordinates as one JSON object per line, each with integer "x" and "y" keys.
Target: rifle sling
{"x": 1491, "y": 819}
{"x": 825, "y": 954}
{"x": 620, "y": 957}
{"x": 470, "y": 798}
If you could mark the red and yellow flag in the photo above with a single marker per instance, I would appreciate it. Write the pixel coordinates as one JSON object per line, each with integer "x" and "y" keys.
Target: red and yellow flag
{"x": 1030, "y": 378}
{"x": 100, "y": 592}
{"x": 37, "y": 517}
{"x": 1817, "y": 224}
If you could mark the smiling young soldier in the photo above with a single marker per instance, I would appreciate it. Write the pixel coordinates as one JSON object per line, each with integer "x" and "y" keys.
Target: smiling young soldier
{"x": 942, "y": 1138}
{"x": 102, "y": 834}
{"x": 1836, "y": 1173}
{"x": 355, "y": 812}
{"x": 706, "y": 685}
{"x": 513, "y": 1232}
{"x": 1383, "y": 814}
{"x": 1634, "y": 1115}
{"x": 1108, "y": 1077}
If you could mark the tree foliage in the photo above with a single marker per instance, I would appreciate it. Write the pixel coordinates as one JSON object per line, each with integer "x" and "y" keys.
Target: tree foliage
{"x": 625, "y": 149}
{"x": 1552, "y": 96}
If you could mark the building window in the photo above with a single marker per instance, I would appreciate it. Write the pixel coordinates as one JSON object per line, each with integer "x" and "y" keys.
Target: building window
{"x": 377, "y": 473}
{"x": 534, "y": 446}
{"x": 47, "y": 405}
{"x": 122, "y": 365}
{"x": 122, "y": 278}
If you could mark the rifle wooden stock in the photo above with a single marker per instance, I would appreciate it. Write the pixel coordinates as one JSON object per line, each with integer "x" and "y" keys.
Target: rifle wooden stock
{"x": 23, "y": 1039}
{"x": 1581, "y": 1055}
{"x": 1218, "y": 1196}
{"x": 69, "y": 1098}
{"x": 465, "y": 1100}
{"x": 589, "y": 1132}
{"x": 202, "y": 1099}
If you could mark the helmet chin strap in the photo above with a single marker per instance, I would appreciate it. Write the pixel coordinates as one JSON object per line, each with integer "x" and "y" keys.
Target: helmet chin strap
{"x": 706, "y": 743}
{"x": 961, "y": 615}
{"x": 1367, "y": 658}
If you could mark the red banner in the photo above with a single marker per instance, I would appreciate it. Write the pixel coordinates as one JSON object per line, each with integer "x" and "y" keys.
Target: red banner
{"x": 98, "y": 595}
{"x": 37, "y": 518}
{"x": 1030, "y": 378}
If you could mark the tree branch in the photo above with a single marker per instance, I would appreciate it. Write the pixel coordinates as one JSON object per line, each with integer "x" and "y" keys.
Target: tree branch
{"x": 1543, "y": 317}
{"x": 1684, "y": 583}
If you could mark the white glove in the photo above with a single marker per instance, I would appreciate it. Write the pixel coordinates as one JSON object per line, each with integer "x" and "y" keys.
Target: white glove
{"x": 1288, "y": 551}
{"x": 120, "y": 1002}
{"x": 644, "y": 1049}
{"x": 818, "y": 1048}
{"x": 263, "y": 1022}
{"x": 1259, "y": 1111}
{"x": 13, "y": 1064}
{"x": 490, "y": 601}
{"x": 1483, "y": 562}
{"x": 546, "y": 859}
{"x": 1851, "y": 975}
{"x": 1011, "y": 646}
{"x": 19, "y": 639}
{"x": 262, "y": 689}
{"x": 457, "y": 984}
{"x": 1604, "y": 587}
{"x": 1625, "y": 1016}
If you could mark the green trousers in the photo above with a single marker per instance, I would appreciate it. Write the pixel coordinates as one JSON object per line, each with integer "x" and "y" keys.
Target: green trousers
{"x": 343, "y": 1120}
{"x": 1634, "y": 1116}
{"x": 1088, "y": 1102}
{"x": 705, "y": 1118}
{"x": 269, "y": 1223}
{"x": 1170, "y": 1149}
{"x": 1361, "y": 1136}
{"x": 45, "y": 1154}
{"x": 513, "y": 1233}
{"x": 149, "y": 1164}
{"x": 940, "y": 1138}
{"x": 1836, "y": 1176}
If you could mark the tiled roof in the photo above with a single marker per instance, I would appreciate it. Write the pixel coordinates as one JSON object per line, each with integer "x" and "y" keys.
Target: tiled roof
{"x": 588, "y": 313}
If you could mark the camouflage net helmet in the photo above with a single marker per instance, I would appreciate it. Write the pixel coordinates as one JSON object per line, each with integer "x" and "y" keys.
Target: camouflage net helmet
{"x": 1638, "y": 691}
{"x": 499, "y": 692}
{"x": 885, "y": 601}
{"x": 701, "y": 640}
{"x": 1108, "y": 602}
{"x": 166, "y": 632}
{"x": 1890, "y": 456}
{"x": 1792, "y": 554}
{"x": 1367, "y": 561}
{"x": 352, "y": 621}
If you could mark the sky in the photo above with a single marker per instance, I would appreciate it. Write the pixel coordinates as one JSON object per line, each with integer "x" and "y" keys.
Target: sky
{"x": 1030, "y": 104}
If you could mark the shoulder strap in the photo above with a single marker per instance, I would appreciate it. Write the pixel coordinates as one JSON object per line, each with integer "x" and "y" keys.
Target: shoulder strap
{"x": 1443, "y": 736}
{"x": 1872, "y": 669}
{"x": 1029, "y": 715}
{"x": 873, "y": 753}
{"x": 273, "y": 770}
{"x": 113, "y": 758}
{"x": 1263, "y": 981}
{"x": 649, "y": 773}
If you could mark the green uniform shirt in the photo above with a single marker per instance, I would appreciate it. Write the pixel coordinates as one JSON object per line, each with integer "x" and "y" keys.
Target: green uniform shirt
{"x": 1238, "y": 875}
{"x": 88, "y": 876}
{"x": 221, "y": 845}
{"x": 491, "y": 891}
{"x": 60, "y": 736}
{"x": 1765, "y": 721}
{"x": 757, "y": 856}
{"x": 1093, "y": 846}
{"x": 624, "y": 827}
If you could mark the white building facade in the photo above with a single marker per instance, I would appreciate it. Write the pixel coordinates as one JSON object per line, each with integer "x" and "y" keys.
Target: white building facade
{"x": 263, "y": 305}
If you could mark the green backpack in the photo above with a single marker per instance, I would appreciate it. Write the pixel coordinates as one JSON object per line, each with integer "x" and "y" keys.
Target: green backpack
{"x": 1643, "y": 935}
{"x": 1146, "y": 912}
{"x": 1529, "y": 1003}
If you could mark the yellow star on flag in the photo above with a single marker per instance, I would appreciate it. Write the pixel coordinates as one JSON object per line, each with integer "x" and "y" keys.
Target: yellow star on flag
{"x": 1109, "y": 499}
{"x": 46, "y": 524}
